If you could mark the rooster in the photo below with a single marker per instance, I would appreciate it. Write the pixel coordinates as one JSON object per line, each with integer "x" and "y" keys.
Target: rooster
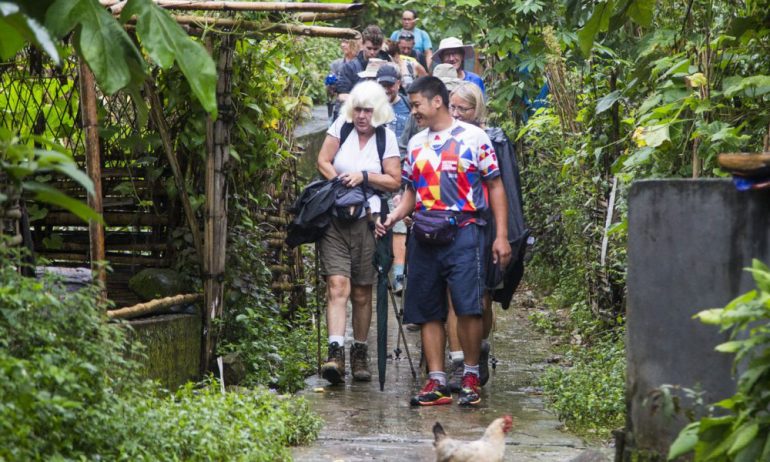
{"x": 489, "y": 448}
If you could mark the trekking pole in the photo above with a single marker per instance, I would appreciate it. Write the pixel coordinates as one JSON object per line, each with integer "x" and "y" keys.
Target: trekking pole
{"x": 401, "y": 334}
{"x": 317, "y": 315}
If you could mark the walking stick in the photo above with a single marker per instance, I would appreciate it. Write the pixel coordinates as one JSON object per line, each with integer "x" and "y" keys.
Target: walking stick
{"x": 317, "y": 315}
{"x": 401, "y": 335}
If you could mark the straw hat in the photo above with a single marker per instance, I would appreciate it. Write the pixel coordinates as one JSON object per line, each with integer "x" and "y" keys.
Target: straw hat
{"x": 451, "y": 43}
{"x": 448, "y": 74}
{"x": 372, "y": 67}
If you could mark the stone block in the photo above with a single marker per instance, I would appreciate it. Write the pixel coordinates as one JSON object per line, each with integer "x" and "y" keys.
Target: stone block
{"x": 688, "y": 244}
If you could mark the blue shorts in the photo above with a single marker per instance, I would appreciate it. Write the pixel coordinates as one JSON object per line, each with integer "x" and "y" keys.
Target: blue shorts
{"x": 459, "y": 266}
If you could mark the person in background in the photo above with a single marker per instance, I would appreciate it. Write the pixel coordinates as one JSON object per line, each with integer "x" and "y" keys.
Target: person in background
{"x": 466, "y": 104}
{"x": 453, "y": 179}
{"x": 390, "y": 79}
{"x": 349, "y": 48}
{"x": 406, "y": 46}
{"x": 447, "y": 74}
{"x": 372, "y": 40}
{"x": 451, "y": 50}
{"x": 422, "y": 41}
{"x": 407, "y": 66}
{"x": 347, "y": 247}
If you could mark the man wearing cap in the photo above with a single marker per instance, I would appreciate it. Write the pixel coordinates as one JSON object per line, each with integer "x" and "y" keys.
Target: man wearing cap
{"x": 406, "y": 47}
{"x": 452, "y": 51}
{"x": 372, "y": 48}
{"x": 422, "y": 41}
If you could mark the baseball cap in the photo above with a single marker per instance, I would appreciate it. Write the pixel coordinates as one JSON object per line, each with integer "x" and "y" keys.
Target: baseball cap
{"x": 388, "y": 74}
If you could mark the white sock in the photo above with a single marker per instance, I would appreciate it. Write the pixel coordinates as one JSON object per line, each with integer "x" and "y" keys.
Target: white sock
{"x": 456, "y": 356}
{"x": 472, "y": 369}
{"x": 356, "y": 342}
{"x": 340, "y": 339}
{"x": 438, "y": 375}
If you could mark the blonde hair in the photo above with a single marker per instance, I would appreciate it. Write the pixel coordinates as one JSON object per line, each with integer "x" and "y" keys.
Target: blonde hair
{"x": 471, "y": 94}
{"x": 369, "y": 94}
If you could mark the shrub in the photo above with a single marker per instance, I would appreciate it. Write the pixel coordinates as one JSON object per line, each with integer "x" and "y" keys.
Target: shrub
{"x": 589, "y": 395}
{"x": 67, "y": 393}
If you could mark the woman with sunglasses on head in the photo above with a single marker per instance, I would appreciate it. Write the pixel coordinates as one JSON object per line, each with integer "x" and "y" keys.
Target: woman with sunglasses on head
{"x": 466, "y": 103}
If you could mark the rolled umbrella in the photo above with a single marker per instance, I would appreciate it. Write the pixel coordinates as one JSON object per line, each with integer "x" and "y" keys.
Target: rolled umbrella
{"x": 383, "y": 257}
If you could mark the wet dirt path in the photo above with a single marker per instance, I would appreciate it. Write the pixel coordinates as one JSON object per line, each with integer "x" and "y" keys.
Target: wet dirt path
{"x": 365, "y": 424}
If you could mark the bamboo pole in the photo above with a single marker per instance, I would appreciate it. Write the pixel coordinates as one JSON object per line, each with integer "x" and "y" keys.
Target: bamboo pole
{"x": 116, "y": 6}
{"x": 113, "y": 218}
{"x": 264, "y": 27}
{"x": 215, "y": 227}
{"x": 142, "y": 309}
{"x": 156, "y": 113}
{"x": 312, "y": 17}
{"x": 94, "y": 169}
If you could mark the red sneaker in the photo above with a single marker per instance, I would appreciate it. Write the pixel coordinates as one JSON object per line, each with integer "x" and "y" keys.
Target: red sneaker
{"x": 432, "y": 394}
{"x": 469, "y": 393}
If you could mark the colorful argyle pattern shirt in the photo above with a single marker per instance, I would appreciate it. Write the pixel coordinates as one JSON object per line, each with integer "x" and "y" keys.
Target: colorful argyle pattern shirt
{"x": 447, "y": 169}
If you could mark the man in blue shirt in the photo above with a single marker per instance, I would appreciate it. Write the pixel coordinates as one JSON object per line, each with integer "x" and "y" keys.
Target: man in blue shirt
{"x": 452, "y": 51}
{"x": 422, "y": 41}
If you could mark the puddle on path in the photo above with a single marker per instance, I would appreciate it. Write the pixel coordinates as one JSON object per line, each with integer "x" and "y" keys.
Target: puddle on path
{"x": 365, "y": 424}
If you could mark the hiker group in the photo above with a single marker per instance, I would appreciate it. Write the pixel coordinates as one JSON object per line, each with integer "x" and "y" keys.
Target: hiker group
{"x": 408, "y": 152}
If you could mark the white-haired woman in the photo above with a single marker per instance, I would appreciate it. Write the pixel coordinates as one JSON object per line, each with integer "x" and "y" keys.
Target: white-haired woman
{"x": 350, "y": 153}
{"x": 466, "y": 103}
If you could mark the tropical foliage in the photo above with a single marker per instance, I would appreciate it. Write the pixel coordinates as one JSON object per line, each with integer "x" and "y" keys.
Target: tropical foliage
{"x": 741, "y": 430}
{"x": 68, "y": 393}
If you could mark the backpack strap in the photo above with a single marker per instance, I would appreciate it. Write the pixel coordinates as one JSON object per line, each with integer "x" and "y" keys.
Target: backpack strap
{"x": 380, "y": 135}
{"x": 347, "y": 127}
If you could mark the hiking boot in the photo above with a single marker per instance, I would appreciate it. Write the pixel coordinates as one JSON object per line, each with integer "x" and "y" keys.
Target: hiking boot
{"x": 484, "y": 363}
{"x": 432, "y": 394}
{"x": 359, "y": 362}
{"x": 398, "y": 285}
{"x": 455, "y": 374}
{"x": 333, "y": 369}
{"x": 469, "y": 393}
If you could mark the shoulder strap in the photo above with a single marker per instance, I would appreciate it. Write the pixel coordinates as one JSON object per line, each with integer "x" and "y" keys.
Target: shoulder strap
{"x": 380, "y": 137}
{"x": 347, "y": 127}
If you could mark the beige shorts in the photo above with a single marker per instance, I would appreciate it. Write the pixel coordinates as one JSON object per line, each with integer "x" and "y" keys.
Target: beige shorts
{"x": 347, "y": 249}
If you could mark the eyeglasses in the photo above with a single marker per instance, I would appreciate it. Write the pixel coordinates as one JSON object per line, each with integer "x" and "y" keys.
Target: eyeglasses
{"x": 460, "y": 109}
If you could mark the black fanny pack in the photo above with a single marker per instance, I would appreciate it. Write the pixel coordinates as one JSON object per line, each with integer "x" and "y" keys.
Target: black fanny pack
{"x": 438, "y": 227}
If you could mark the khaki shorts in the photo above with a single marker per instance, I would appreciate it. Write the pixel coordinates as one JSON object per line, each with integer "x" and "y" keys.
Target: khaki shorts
{"x": 347, "y": 249}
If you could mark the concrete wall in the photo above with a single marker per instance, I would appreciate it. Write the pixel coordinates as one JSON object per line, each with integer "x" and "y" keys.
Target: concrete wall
{"x": 689, "y": 241}
{"x": 172, "y": 347}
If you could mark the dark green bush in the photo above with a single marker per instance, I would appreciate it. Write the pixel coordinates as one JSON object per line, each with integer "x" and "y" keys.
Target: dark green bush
{"x": 67, "y": 393}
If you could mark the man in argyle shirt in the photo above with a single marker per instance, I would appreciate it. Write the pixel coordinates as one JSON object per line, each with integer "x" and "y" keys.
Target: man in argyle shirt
{"x": 452, "y": 173}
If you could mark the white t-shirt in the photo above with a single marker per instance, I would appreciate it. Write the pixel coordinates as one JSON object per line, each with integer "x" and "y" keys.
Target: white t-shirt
{"x": 350, "y": 158}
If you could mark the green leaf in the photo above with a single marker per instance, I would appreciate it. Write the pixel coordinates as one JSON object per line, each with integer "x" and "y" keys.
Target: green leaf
{"x": 598, "y": 22}
{"x": 730, "y": 347}
{"x": 607, "y": 101}
{"x": 72, "y": 171}
{"x": 685, "y": 442}
{"x": 753, "y": 86}
{"x": 656, "y": 135}
{"x": 166, "y": 42}
{"x": 16, "y": 28}
{"x": 743, "y": 436}
{"x": 712, "y": 316}
{"x": 640, "y": 11}
{"x": 53, "y": 196}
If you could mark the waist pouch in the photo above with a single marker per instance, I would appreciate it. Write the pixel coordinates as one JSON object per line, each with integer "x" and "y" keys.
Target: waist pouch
{"x": 439, "y": 227}
{"x": 350, "y": 204}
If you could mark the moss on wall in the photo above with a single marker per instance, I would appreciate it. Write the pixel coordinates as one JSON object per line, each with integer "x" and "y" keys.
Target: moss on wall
{"x": 172, "y": 347}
